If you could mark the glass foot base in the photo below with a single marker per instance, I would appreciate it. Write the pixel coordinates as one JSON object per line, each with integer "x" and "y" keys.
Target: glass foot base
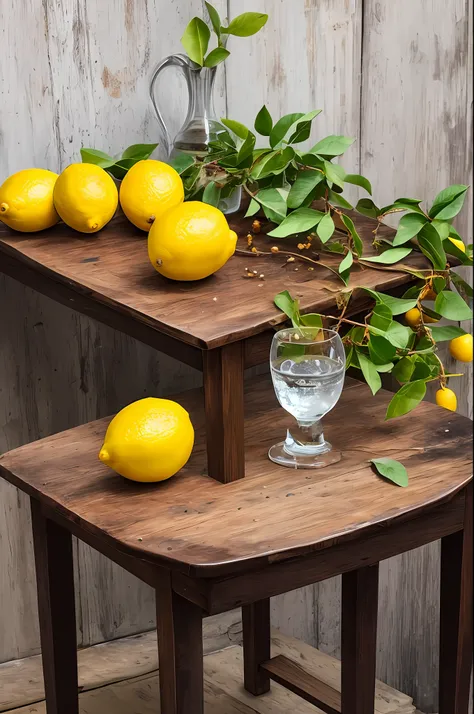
{"x": 325, "y": 456}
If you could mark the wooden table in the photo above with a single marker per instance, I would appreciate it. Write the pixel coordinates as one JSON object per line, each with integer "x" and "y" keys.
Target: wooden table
{"x": 207, "y": 547}
{"x": 220, "y": 325}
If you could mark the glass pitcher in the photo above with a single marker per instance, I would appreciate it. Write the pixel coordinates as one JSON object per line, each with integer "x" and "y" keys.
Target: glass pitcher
{"x": 201, "y": 125}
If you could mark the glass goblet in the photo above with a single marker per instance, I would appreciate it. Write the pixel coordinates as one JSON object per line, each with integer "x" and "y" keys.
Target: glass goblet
{"x": 307, "y": 366}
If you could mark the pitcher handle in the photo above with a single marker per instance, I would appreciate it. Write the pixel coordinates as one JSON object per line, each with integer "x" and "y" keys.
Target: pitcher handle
{"x": 183, "y": 63}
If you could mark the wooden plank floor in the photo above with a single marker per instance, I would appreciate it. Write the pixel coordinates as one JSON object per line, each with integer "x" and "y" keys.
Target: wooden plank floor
{"x": 122, "y": 677}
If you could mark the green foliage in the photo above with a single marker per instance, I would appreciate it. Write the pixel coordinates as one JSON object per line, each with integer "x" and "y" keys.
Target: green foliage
{"x": 118, "y": 166}
{"x": 197, "y": 35}
{"x": 391, "y": 470}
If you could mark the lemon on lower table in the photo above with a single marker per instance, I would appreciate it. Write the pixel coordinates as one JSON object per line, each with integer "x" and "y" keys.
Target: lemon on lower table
{"x": 148, "y": 440}
{"x": 148, "y": 189}
{"x": 191, "y": 241}
{"x": 26, "y": 200}
{"x": 86, "y": 197}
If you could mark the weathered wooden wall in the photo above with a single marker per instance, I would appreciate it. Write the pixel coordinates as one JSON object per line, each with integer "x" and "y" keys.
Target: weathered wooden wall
{"x": 394, "y": 75}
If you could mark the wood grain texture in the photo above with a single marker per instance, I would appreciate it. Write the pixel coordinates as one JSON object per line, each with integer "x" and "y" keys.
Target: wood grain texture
{"x": 135, "y": 688}
{"x": 272, "y": 513}
{"x": 206, "y": 314}
{"x": 417, "y": 120}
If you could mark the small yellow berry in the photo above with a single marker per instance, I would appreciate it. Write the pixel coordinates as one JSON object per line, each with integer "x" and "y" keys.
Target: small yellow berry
{"x": 274, "y": 249}
{"x": 446, "y": 398}
{"x": 461, "y": 348}
{"x": 413, "y": 317}
{"x": 256, "y": 226}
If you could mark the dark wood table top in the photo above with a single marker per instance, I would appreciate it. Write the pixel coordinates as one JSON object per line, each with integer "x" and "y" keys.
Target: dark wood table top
{"x": 112, "y": 269}
{"x": 204, "y": 528}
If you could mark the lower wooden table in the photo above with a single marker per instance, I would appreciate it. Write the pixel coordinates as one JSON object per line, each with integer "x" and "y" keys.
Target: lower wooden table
{"x": 207, "y": 547}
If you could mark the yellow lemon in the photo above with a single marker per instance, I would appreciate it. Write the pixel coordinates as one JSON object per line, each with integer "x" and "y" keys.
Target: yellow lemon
{"x": 413, "y": 317}
{"x": 148, "y": 440}
{"x": 459, "y": 244}
{"x": 191, "y": 241}
{"x": 26, "y": 200}
{"x": 148, "y": 190}
{"x": 446, "y": 398}
{"x": 85, "y": 197}
{"x": 461, "y": 348}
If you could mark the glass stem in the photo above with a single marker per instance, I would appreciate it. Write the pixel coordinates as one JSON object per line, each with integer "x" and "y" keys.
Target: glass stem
{"x": 306, "y": 439}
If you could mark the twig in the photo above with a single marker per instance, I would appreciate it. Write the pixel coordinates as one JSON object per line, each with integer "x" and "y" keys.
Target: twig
{"x": 287, "y": 252}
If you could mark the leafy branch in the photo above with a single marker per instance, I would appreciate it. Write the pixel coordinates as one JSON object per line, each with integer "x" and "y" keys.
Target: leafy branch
{"x": 197, "y": 35}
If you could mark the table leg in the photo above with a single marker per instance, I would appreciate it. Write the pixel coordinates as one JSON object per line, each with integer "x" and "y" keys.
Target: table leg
{"x": 359, "y": 640}
{"x": 55, "y": 584}
{"x": 455, "y": 657}
{"x": 223, "y": 376}
{"x": 179, "y": 627}
{"x": 256, "y": 642}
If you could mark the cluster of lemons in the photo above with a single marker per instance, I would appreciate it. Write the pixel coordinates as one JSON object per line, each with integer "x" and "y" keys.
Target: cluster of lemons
{"x": 150, "y": 439}
{"x": 187, "y": 241}
{"x": 460, "y": 348}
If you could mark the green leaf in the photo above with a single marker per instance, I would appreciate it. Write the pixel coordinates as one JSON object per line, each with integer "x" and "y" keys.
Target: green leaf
{"x": 345, "y": 266}
{"x": 390, "y": 256}
{"x": 332, "y": 146}
{"x": 302, "y": 187}
{"x": 276, "y": 164}
{"x": 303, "y": 219}
{"x": 214, "y": 17}
{"x": 409, "y": 226}
{"x": 216, "y": 56}
{"x": 452, "y": 249}
{"x": 384, "y": 367}
{"x": 452, "y": 306}
{"x": 358, "y": 180}
{"x": 463, "y": 288}
{"x": 253, "y": 208}
{"x": 407, "y": 398}
{"x": 120, "y": 168}
{"x": 196, "y": 39}
{"x": 301, "y": 129}
{"x": 312, "y": 319}
{"x": 443, "y": 333}
{"x": 247, "y": 24}
{"x": 448, "y": 202}
{"x": 442, "y": 227}
{"x": 99, "y": 158}
{"x": 392, "y": 470}
{"x": 272, "y": 199}
{"x": 139, "y": 151}
{"x": 397, "y": 306}
{"x": 211, "y": 194}
{"x": 440, "y": 283}
{"x": 381, "y": 351}
{"x": 349, "y": 224}
{"x": 367, "y": 207}
{"x": 404, "y": 369}
{"x": 381, "y": 317}
{"x": 236, "y": 127}
{"x": 286, "y": 304}
{"x": 325, "y": 228}
{"x": 263, "y": 122}
{"x": 431, "y": 245}
{"x": 398, "y": 335}
{"x": 370, "y": 373}
{"x": 288, "y": 124}
{"x": 335, "y": 173}
{"x": 337, "y": 200}
{"x": 335, "y": 247}
{"x": 181, "y": 162}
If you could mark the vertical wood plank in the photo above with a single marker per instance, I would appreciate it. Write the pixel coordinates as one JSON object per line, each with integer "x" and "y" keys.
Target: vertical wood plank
{"x": 455, "y": 662}
{"x": 55, "y": 581}
{"x": 180, "y": 652}
{"x": 256, "y": 644}
{"x": 360, "y": 590}
{"x": 223, "y": 380}
{"x": 415, "y": 127}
